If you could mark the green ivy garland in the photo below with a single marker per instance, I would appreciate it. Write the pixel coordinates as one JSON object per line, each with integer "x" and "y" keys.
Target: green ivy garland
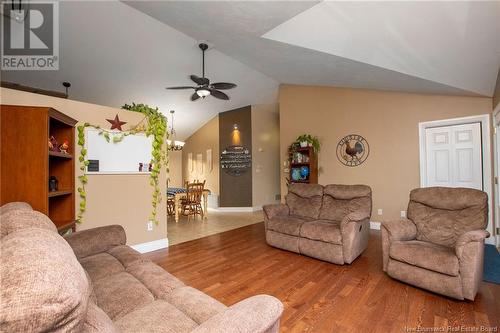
{"x": 156, "y": 126}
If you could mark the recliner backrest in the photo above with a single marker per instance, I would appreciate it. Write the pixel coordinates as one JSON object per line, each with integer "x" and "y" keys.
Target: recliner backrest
{"x": 304, "y": 199}
{"x": 442, "y": 214}
{"x": 341, "y": 200}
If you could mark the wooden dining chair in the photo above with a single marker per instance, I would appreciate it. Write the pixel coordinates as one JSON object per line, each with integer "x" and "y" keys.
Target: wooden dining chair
{"x": 170, "y": 205}
{"x": 191, "y": 204}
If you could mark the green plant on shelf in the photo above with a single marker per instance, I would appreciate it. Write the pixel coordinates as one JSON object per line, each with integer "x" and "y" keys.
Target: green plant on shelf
{"x": 310, "y": 140}
{"x": 154, "y": 123}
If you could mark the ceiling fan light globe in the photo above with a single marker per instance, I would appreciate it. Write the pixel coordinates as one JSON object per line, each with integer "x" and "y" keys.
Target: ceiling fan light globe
{"x": 203, "y": 92}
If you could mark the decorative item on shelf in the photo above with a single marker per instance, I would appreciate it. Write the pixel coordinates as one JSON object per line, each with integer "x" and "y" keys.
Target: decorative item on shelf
{"x": 63, "y": 147}
{"x": 116, "y": 123}
{"x": 307, "y": 140}
{"x": 296, "y": 174}
{"x": 304, "y": 172}
{"x": 141, "y": 166}
{"x": 352, "y": 150}
{"x": 53, "y": 146}
{"x": 53, "y": 184}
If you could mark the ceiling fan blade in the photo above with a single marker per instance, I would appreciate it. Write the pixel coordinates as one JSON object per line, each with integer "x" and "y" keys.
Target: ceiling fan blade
{"x": 223, "y": 85}
{"x": 219, "y": 94}
{"x": 199, "y": 80}
{"x": 194, "y": 97}
{"x": 181, "y": 87}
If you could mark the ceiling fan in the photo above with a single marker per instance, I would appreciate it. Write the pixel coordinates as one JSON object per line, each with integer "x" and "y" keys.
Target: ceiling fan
{"x": 205, "y": 88}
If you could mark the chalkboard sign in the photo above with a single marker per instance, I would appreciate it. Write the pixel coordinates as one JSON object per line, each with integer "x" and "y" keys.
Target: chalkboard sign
{"x": 235, "y": 160}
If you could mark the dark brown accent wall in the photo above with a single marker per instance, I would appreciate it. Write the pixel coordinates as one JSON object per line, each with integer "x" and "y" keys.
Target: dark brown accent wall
{"x": 235, "y": 191}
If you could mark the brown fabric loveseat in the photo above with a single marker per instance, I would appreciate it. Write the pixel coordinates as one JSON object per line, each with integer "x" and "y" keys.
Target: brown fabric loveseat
{"x": 440, "y": 246}
{"x": 329, "y": 222}
{"x": 92, "y": 282}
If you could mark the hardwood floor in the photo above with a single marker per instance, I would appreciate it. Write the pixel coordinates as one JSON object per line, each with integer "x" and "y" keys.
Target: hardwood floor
{"x": 318, "y": 296}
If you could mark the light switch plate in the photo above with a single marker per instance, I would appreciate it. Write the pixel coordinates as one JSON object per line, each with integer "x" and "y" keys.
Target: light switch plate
{"x": 379, "y": 212}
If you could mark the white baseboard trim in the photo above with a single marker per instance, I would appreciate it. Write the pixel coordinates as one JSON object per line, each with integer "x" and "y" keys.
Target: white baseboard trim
{"x": 374, "y": 225}
{"x": 235, "y": 209}
{"x": 151, "y": 246}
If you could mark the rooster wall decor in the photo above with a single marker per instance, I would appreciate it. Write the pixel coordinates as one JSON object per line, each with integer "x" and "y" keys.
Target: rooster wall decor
{"x": 352, "y": 150}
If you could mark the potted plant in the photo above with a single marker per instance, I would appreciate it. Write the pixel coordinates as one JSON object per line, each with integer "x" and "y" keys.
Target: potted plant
{"x": 306, "y": 140}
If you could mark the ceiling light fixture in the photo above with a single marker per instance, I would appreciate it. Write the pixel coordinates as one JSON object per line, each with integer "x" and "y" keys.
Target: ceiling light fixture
{"x": 202, "y": 92}
{"x": 173, "y": 144}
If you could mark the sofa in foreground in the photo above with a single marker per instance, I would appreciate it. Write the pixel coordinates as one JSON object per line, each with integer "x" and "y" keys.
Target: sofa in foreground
{"x": 440, "y": 246}
{"x": 329, "y": 222}
{"x": 92, "y": 282}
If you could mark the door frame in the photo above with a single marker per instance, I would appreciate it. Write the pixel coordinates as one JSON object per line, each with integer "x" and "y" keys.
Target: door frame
{"x": 486, "y": 152}
{"x": 496, "y": 169}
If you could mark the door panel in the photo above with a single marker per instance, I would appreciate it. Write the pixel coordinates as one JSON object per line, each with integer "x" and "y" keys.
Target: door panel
{"x": 453, "y": 156}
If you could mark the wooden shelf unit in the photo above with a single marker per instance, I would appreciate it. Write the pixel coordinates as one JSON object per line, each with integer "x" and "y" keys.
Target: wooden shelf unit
{"x": 27, "y": 163}
{"x": 312, "y": 164}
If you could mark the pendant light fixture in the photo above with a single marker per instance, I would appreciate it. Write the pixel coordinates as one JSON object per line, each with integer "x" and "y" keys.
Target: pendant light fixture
{"x": 173, "y": 144}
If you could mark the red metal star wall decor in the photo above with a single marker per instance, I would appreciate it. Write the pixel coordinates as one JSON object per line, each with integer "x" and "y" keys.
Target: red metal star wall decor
{"x": 116, "y": 123}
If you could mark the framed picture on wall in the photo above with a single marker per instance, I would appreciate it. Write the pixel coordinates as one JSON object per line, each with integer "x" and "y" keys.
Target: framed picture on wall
{"x": 190, "y": 162}
{"x": 199, "y": 163}
{"x": 209, "y": 160}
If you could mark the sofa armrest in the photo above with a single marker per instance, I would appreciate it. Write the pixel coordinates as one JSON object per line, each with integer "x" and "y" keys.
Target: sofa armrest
{"x": 354, "y": 217}
{"x": 468, "y": 237}
{"x": 257, "y": 314}
{"x": 402, "y": 229}
{"x": 93, "y": 241}
{"x": 271, "y": 211}
{"x": 355, "y": 232}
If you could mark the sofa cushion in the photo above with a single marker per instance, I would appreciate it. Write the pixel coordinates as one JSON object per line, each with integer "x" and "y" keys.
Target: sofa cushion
{"x": 304, "y": 200}
{"x": 443, "y": 214}
{"x": 121, "y": 293}
{"x": 195, "y": 304}
{"x": 33, "y": 297}
{"x": 289, "y": 225}
{"x": 325, "y": 231}
{"x": 156, "y": 317}
{"x": 159, "y": 282}
{"x": 341, "y": 200}
{"x": 97, "y": 321}
{"x": 426, "y": 255}
{"x": 126, "y": 255}
{"x": 101, "y": 265}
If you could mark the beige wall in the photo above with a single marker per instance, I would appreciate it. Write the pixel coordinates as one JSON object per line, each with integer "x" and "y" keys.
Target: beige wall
{"x": 388, "y": 121}
{"x": 207, "y": 137}
{"x": 111, "y": 199}
{"x": 175, "y": 169}
{"x": 265, "y": 154}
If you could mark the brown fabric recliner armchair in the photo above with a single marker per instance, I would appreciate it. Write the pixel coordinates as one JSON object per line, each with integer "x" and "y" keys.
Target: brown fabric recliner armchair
{"x": 440, "y": 245}
{"x": 329, "y": 222}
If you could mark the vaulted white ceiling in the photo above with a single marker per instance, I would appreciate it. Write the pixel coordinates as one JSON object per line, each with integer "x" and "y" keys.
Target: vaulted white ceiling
{"x": 452, "y": 43}
{"x": 113, "y": 54}
{"x": 117, "y": 52}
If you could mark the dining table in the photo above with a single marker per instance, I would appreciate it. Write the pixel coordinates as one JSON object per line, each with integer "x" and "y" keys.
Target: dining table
{"x": 180, "y": 192}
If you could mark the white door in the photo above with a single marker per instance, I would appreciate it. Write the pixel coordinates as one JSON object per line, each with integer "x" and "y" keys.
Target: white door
{"x": 454, "y": 156}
